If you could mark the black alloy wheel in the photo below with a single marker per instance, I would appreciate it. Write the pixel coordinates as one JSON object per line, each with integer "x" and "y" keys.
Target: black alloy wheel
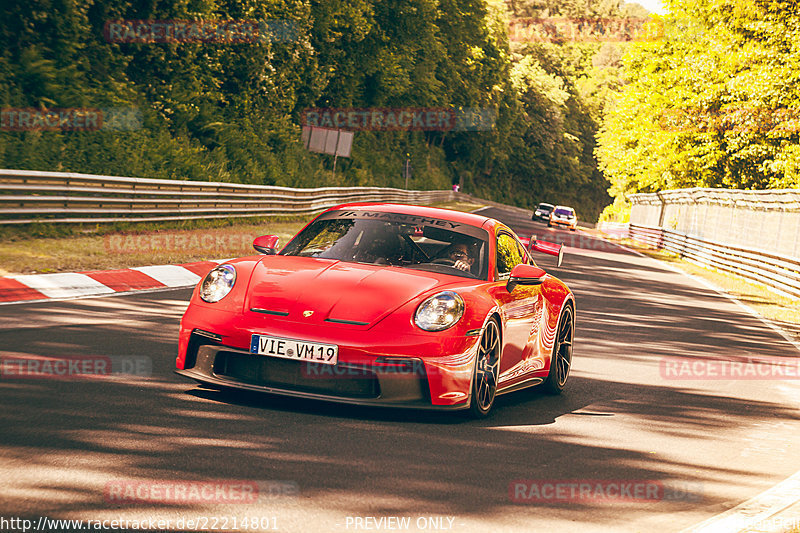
{"x": 561, "y": 362}
{"x": 487, "y": 370}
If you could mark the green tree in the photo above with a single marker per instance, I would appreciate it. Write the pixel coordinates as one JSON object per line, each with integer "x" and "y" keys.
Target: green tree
{"x": 712, "y": 104}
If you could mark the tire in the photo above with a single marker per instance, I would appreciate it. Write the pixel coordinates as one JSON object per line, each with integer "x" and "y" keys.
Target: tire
{"x": 486, "y": 372}
{"x": 561, "y": 361}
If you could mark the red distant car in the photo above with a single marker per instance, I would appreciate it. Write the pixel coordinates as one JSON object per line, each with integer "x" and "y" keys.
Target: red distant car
{"x": 384, "y": 304}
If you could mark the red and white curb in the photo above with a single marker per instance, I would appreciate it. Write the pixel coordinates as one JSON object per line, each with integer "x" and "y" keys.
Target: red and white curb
{"x": 32, "y": 287}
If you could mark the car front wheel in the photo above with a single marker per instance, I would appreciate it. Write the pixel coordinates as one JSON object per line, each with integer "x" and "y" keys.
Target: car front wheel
{"x": 486, "y": 373}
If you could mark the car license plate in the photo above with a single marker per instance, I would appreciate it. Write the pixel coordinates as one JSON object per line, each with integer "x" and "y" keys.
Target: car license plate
{"x": 316, "y": 352}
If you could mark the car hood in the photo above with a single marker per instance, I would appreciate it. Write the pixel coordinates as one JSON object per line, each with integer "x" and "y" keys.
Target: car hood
{"x": 332, "y": 291}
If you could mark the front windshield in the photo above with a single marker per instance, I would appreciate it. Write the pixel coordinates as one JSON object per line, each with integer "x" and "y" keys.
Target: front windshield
{"x": 395, "y": 239}
{"x": 564, "y": 212}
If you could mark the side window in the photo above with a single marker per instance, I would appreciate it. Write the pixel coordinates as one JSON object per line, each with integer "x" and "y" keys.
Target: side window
{"x": 509, "y": 254}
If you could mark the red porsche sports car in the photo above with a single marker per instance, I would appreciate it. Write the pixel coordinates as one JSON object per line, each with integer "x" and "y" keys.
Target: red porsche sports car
{"x": 384, "y": 304}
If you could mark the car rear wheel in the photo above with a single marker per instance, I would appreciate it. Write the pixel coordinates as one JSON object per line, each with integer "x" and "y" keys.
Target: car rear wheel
{"x": 487, "y": 369}
{"x": 561, "y": 362}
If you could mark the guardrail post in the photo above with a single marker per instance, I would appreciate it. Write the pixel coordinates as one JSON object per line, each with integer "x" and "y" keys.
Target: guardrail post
{"x": 682, "y": 252}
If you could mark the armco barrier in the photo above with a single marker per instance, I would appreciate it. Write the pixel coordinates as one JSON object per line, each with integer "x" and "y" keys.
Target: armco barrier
{"x": 34, "y": 196}
{"x": 774, "y": 270}
{"x": 755, "y": 234}
{"x": 766, "y": 219}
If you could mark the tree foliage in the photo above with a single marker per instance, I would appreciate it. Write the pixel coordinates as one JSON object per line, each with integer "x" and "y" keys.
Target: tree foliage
{"x": 232, "y": 111}
{"x": 714, "y": 103}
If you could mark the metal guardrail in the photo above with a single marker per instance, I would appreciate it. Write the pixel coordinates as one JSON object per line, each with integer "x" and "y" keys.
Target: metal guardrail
{"x": 769, "y": 219}
{"x": 56, "y": 197}
{"x": 773, "y": 270}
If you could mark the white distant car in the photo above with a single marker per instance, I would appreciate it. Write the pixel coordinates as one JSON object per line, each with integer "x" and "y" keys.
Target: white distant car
{"x": 542, "y": 212}
{"x": 563, "y": 216}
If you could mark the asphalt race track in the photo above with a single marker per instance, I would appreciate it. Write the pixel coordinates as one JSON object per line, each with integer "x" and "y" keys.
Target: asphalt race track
{"x": 73, "y": 448}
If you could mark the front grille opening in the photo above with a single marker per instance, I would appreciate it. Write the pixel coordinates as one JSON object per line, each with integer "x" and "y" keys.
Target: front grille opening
{"x": 335, "y": 380}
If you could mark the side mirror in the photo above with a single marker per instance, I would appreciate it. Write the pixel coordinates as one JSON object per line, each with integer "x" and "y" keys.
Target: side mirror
{"x": 266, "y": 244}
{"x": 549, "y": 248}
{"x": 523, "y": 274}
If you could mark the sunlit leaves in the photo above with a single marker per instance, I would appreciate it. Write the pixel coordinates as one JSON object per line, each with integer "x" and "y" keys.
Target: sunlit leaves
{"x": 730, "y": 69}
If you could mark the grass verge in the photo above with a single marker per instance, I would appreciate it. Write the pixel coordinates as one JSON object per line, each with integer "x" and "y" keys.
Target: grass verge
{"x": 42, "y": 248}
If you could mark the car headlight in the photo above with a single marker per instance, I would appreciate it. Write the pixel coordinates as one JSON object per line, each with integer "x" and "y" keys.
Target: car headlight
{"x": 217, "y": 283}
{"x": 439, "y": 312}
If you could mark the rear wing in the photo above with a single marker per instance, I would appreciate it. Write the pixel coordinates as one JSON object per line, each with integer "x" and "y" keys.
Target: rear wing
{"x": 545, "y": 247}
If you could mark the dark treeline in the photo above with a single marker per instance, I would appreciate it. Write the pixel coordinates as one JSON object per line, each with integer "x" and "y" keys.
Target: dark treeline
{"x": 232, "y": 111}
